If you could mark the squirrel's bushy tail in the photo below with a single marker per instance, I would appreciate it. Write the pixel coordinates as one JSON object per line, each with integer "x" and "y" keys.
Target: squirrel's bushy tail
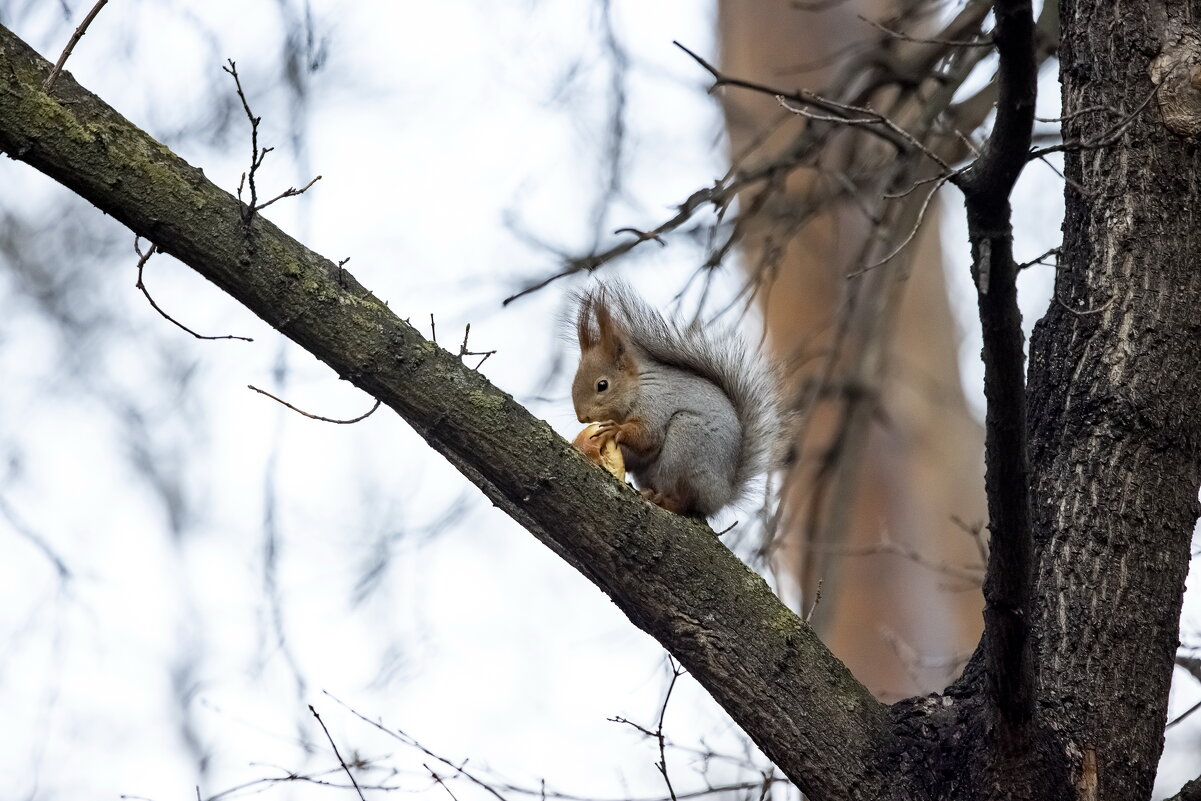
{"x": 723, "y": 358}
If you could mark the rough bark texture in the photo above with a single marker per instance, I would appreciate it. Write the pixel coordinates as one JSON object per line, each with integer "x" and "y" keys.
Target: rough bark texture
{"x": 1115, "y": 404}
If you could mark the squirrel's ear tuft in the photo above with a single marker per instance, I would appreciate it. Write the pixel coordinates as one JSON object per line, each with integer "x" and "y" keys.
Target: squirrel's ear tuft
{"x": 585, "y": 322}
{"x": 611, "y": 338}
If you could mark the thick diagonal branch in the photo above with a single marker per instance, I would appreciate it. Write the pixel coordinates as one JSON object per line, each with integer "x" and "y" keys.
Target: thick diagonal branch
{"x": 672, "y": 577}
{"x": 987, "y": 186}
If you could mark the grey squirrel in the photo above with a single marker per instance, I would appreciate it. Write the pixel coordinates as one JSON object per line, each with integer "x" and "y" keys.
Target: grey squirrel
{"x": 695, "y": 415}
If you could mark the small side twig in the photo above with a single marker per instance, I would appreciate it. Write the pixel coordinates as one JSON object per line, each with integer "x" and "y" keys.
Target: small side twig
{"x": 817, "y": 599}
{"x": 643, "y": 236}
{"x": 1041, "y": 259}
{"x": 1085, "y": 312}
{"x": 291, "y": 191}
{"x": 141, "y": 284}
{"x": 676, "y": 672}
{"x": 341, "y": 761}
{"x": 317, "y": 416}
{"x": 984, "y": 41}
{"x": 256, "y": 155}
{"x": 1104, "y": 139}
{"x": 256, "y": 158}
{"x": 463, "y": 351}
{"x": 48, "y": 84}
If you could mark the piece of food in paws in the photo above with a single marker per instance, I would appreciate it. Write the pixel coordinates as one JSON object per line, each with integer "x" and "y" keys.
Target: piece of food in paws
{"x": 602, "y": 450}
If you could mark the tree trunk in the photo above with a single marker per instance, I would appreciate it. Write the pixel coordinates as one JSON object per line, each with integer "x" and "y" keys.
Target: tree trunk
{"x": 1115, "y": 392}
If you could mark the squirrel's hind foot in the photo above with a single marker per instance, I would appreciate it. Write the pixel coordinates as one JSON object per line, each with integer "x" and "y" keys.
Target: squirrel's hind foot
{"x": 676, "y": 504}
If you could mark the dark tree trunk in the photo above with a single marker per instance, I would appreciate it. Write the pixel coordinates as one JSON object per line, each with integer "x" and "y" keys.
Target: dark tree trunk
{"x": 1115, "y": 399}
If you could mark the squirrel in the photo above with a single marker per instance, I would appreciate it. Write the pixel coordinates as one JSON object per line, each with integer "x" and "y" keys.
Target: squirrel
{"x": 695, "y": 415}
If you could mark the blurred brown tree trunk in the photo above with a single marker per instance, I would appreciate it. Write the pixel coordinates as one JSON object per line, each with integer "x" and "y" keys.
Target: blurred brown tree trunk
{"x": 899, "y": 625}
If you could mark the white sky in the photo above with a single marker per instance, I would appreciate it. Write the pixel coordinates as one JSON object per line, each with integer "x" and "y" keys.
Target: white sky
{"x": 433, "y": 123}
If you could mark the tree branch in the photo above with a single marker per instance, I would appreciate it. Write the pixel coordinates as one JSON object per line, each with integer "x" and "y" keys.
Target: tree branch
{"x": 987, "y": 185}
{"x": 1191, "y": 791}
{"x": 669, "y": 575}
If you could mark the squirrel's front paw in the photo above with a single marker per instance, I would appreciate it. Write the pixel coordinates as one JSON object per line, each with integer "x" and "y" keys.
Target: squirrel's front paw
{"x": 609, "y": 429}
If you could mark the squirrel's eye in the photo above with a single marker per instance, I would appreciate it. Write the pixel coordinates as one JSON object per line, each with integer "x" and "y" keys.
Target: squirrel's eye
{"x": 602, "y": 385}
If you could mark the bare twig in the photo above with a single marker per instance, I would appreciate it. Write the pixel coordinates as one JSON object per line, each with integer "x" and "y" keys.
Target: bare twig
{"x": 1183, "y": 715}
{"x": 141, "y": 284}
{"x": 38, "y": 541}
{"x": 256, "y": 157}
{"x": 289, "y": 192}
{"x": 643, "y": 236}
{"x": 317, "y": 416}
{"x": 1104, "y": 139}
{"x": 817, "y": 599}
{"x": 1191, "y": 791}
{"x": 843, "y": 111}
{"x": 676, "y": 672}
{"x": 438, "y": 779}
{"x": 869, "y": 118}
{"x": 341, "y": 761}
{"x": 1085, "y": 312}
{"x": 904, "y": 37}
{"x": 972, "y": 575}
{"x": 463, "y": 351}
{"x": 48, "y": 84}
{"x": 1041, "y": 258}
{"x": 913, "y": 230}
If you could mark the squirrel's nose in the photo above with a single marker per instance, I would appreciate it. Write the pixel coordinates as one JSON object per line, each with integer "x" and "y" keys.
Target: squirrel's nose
{"x": 580, "y": 417}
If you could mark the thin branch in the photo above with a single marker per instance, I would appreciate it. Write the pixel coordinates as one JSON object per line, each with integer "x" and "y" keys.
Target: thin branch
{"x": 360, "y": 418}
{"x": 643, "y": 236}
{"x": 289, "y": 192}
{"x": 1086, "y": 312}
{"x": 442, "y": 784}
{"x": 817, "y": 599}
{"x": 1041, "y": 259}
{"x": 463, "y": 351}
{"x": 913, "y": 230}
{"x": 1104, "y": 139}
{"x": 986, "y": 186}
{"x": 904, "y": 37}
{"x": 341, "y": 761}
{"x": 841, "y": 110}
{"x": 256, "y": 156}
{"x": 52, "y": 78}
{"x": 676, "y": 672}
{"x": 870, "y": 118}
{"x": 1183, "y": 715}
{"x": 37, "y": 540}
{"x": 1189, "y": 792}
{"x": 972, "y": 575}
{"x": 141, "y": 284}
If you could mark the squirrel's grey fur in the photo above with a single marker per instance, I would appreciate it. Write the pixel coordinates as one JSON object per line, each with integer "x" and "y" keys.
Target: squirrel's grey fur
{"x": 722, "y": 388}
